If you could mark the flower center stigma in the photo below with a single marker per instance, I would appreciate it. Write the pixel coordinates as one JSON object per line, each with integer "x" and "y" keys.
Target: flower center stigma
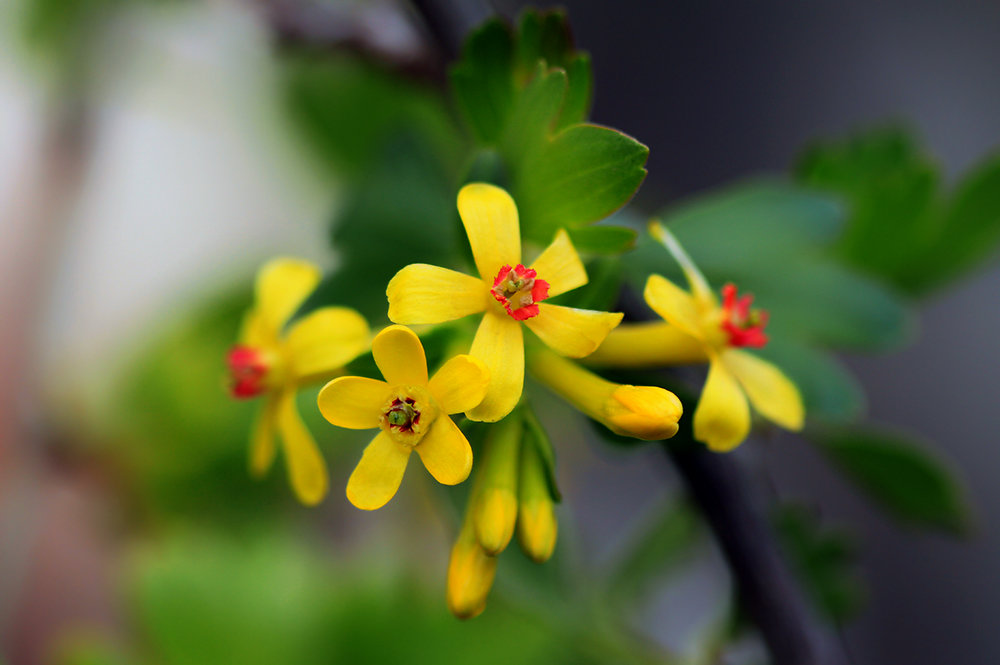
{"x": 407, "y": 415}
{"x": 743, "y": 325}
{"x": 519, "y": 290}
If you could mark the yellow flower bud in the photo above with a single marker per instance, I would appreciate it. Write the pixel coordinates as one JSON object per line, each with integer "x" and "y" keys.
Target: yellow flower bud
{"x": 645, "y": 412}
{"x": 495, "y": 506}
{"x": 470, "y": 574}
{"x": 536, "y": 520}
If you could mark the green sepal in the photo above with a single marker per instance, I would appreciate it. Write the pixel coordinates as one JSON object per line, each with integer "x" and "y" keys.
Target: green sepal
{"x": 536, "y": 436}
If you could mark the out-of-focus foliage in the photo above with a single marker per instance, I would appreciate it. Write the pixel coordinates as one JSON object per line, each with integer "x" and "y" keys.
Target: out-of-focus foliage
{"x": 900, "y": 476}
{"x": 824, "y": 559}
{"x": 348, "y": 112}
{"x": 402, "y": 211}
{"x": 182, "y": 437}
{"x": 902, "y": 226}
{"x": 526, "y": 95}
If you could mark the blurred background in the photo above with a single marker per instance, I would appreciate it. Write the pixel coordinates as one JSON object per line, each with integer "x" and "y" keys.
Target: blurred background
{"x": 152, "y": 156}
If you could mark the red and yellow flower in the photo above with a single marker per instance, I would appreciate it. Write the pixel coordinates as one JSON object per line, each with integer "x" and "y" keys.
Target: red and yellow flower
{"x": 698, "y": 328}
{"x": 269, "y": 362}
{"x": 410, "y": 410}
{"x": 508, "y": 294}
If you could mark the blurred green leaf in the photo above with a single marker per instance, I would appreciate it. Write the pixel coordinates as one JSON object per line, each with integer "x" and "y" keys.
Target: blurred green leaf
{"x": 901, "y": 476}
{"x": 891, "y": 186}
{"x": 482, "y": 80}
{"x": 667, "y": 539}
{"x": 824, "y": 559}
{"x": 402, "y": 212}
{"x": 347, "y": 112}
{"x": 968, "y": 232}
{"x": 582, "y": 175}
{"x": 747, "y": 227}
{"x": 603, "y": 239}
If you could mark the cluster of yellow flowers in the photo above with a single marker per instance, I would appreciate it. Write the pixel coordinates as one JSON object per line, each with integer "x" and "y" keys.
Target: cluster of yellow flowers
{"x": 413, "y": 410}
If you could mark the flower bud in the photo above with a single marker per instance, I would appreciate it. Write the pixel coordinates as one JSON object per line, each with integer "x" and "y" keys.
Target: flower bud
{"x": 645, "y": 412}
{"x": 536, "y": 519}
{"x": 495, "y": 507}
{"x": 470, "y": 575}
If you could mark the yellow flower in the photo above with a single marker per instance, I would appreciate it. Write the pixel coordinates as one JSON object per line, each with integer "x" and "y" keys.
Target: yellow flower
{"x": 412, "y": 413}
{"x": 699, "y": 328}
{"x": 644, "y": 412}
{"x": 267, "y": 361}
{"x": 507, "y": 292}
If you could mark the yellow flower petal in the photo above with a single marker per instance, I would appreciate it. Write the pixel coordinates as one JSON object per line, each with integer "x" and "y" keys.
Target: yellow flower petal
{"x": 570, "y": 331}
{"x": 420, "y": 293}
{"x": 460, "y": 384}
{"x": 326, "y": 340}
{"x": 378, "y": 474}
{"x": 499, "y": 343}
{"x": 652, "y": 344}
{"x": 560, "y": 265}
{"x": 490, "y": 219}
{"x": 262, "y": 441}
{"x": 306, "y": 468}
{"x": 446, "y": 452}
{"x": 255, "y": 332}
{"x": 354, "y": 402}
{"x": 282, "y": 285}
{"x": 470, "y": 575}
{"x": 722, "y": 419}
{"x": 400, "y": 356}
{"x": 770, "y": 392}
{"x": 674, "y": 304}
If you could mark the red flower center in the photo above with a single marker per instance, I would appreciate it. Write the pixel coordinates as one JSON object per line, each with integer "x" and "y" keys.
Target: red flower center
{"x": 402, "y": 415}
{"x": 745, "y": 326}
{"x": 248, "y": 369}
{"x": 519, "y": 290}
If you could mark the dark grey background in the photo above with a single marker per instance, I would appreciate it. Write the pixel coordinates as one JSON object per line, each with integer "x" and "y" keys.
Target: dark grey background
{"x": 724, "y": 90}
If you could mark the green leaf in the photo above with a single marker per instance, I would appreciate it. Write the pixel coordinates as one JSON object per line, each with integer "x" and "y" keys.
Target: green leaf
{"x": 773, "y": 218}
{"x": 603, "y": 239}
{"x": 482, "y": 80}
{"x": 582, "y": 175}
{"x": 579, "y": 96}
{"x": 968, "y": 233}
{"x": 901, "y": 476}
{"x": 533, "y": 116}
{"x": 892, "y": 189}
{"x": 667, "y": 539}
{"x": 347, "y": 111}
{"x": 824, "y": 559}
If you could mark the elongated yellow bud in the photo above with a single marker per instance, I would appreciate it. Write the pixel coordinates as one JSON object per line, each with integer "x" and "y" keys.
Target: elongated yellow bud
{"x": 645, "y": 412}
{"x": 495, "y": 508}
{"x": 471, "y": 570}
{"x": 536, "y": 519}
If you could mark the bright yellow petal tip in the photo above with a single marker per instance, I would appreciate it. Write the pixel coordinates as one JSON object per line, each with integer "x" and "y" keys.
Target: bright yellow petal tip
{"x": 722, "y": 418}
{"x": 378, "y": 474}
{"x": 421, "y": 293}
{"x": 771, "y": 393}
{"x": 490, "y": 219}
{"x": 645, "y": 412}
